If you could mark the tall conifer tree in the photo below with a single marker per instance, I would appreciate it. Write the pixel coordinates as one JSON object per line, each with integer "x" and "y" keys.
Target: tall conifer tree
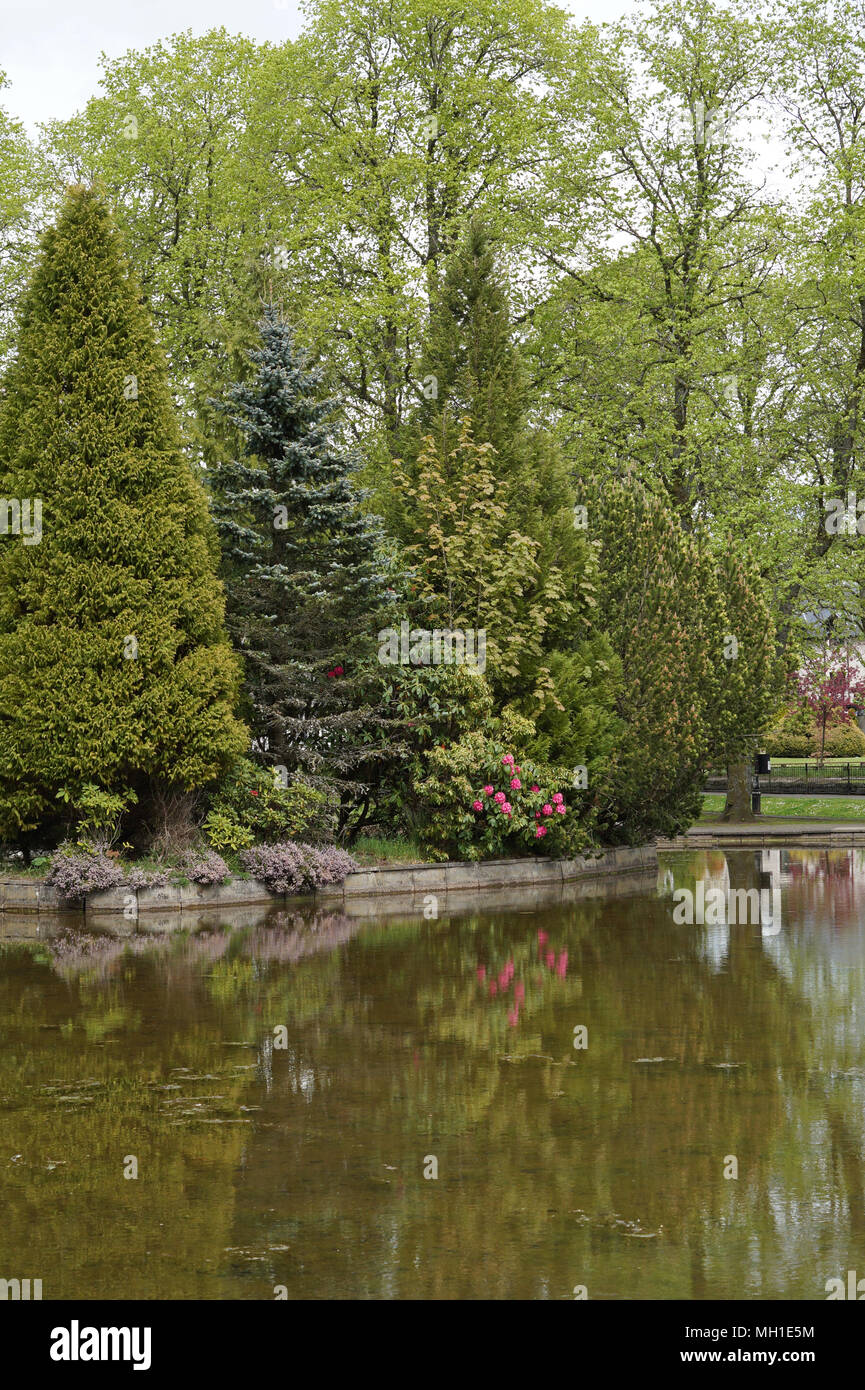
{"x": 115, "y": 669}
{"x": 696, "y": 642}
{"x": 306, "y": 577}
{"x": 485, "y": 506}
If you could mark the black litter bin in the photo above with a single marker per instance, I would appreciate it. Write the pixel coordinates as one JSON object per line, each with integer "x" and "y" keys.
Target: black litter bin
{"x": 762, "y": 764}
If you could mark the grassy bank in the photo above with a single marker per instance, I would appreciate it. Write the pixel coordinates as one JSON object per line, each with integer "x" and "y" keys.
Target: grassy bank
{"x": 850, "y": 808}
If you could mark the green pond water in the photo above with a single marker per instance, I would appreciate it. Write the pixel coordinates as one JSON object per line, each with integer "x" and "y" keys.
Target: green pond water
{"x": 287, "y": 1086}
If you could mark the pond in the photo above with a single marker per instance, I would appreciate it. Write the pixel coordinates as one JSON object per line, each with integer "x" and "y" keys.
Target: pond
{"x": 517, "y": 1101}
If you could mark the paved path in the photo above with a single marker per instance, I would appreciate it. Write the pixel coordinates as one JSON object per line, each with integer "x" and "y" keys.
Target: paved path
{"x": 770, "y": 830}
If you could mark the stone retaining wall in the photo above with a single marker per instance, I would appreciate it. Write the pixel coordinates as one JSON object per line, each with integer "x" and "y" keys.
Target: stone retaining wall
{"x": 26, "y": 895}
{"x": 420, "y": 879}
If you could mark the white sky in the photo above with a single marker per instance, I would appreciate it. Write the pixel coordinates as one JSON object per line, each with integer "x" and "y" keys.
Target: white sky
{"x": 49, "y": 49}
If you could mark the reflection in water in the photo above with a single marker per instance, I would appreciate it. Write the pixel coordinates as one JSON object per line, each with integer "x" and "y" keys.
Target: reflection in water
{"x": 284, "y": 1084}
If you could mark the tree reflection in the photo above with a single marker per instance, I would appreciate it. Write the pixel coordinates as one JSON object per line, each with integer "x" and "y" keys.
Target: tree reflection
{"x": 303, "y": 1165}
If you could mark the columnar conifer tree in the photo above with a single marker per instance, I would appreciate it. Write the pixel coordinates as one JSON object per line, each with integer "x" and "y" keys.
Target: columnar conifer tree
{"x": 115, "y": 669}
{"x": 662, "y": 613}
{"x": 751, "y": 684}
{"x": 306, "y": 576}
{"x": 696, "y": 643}
{"x": 486, "y": 509}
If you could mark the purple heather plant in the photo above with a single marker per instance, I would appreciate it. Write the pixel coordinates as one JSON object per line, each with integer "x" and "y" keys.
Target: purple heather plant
{"x": 282, "y": 867}
{"x": 332, "y": 865}
{"x": 147, "y": 878}
{"x": 76, "y": 874}
{"x": 205, "y": 867}
{"x": 296, "y": 868}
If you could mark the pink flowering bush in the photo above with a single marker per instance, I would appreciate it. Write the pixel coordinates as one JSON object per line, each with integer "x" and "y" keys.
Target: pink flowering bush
{"x": 485, "y": 801}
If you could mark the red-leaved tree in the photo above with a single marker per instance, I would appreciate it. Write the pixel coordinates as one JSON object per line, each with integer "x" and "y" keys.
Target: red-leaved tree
{"x": 831, "y": 685}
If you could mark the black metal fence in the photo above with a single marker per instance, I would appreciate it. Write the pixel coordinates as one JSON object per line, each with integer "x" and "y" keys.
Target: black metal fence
{"x": 832, "y": 779}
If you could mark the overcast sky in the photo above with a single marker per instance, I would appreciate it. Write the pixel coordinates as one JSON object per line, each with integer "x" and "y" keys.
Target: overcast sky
{"x": 49, "y": 49}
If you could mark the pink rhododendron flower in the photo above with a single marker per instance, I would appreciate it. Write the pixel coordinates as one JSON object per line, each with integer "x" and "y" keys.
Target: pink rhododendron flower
{"x": 536, "y": 788}
{"x": 517, "y": 769}
{"x": 508, "y": 760}
{"x": 547, "y": 809}
{"x": 541, "y": 830}
{"x": 506, "y": 808}
{"x": 477, "y": 805}
{"x": 500, "y": 797}
{"x": 488, "y": 791}
{"x": 515, "y": 784}
{"x": 557, "y": 798}
{"x": 561, "y": 809}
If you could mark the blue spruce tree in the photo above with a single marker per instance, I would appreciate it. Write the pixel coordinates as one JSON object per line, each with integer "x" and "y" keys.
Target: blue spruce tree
{"x": 307, "y": 577}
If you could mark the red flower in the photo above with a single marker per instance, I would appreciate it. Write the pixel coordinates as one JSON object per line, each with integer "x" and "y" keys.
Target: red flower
{"x": 253, "y": 792}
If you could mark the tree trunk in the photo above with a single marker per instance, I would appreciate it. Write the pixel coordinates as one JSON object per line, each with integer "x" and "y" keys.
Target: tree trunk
{"x": 738, "y": 803}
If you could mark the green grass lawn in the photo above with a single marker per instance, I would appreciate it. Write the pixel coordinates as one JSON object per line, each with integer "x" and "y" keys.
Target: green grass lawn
{"x": 798, "y": 807}
{"x": 832, "y": 767}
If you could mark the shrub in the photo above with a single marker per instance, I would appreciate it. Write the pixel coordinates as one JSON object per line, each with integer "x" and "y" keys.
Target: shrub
{"x": 281, "y": 867}
{"x": 251, "y": 806}
{"x": 844, "y": 741}
{"x": 483, "y": 801}
{"x": 147, "y": 878}
{"x": 793, "y": 736}
{"x": 436, "y": 704}
{"x": 75, "y": 874}
{"x": 172, "y": 820}
{"x": 787, "y": 743}
{"x": 331, "y": 865}
{"x": 226, "y": 833}
{"x": 97, "y": 813}
{"x": 296, "y": 868}
{"x": 205, "y": 867}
